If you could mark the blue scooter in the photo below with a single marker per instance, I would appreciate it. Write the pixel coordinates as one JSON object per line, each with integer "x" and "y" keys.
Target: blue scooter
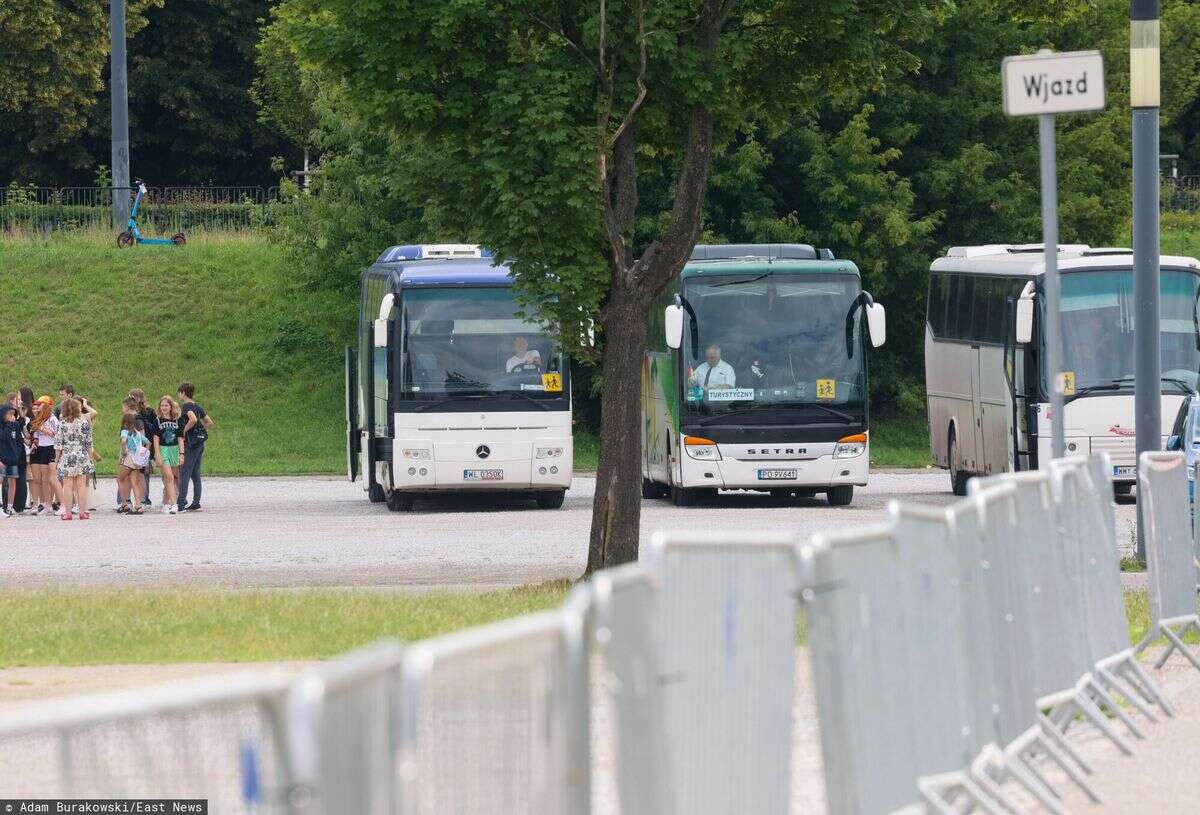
{"x": 132, "y": 235}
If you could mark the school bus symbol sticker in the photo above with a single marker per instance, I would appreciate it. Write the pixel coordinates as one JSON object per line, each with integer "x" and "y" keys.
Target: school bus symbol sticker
{"x": 826, "y": 388}
{"x": 552, "y": 382}
{"x": 1067, "y": 383}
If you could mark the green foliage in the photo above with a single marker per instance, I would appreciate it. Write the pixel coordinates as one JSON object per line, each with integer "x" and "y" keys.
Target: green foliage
{"x": 285, "y": 94}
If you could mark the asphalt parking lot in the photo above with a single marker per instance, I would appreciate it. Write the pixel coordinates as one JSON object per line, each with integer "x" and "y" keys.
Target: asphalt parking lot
{"x": 312, "y": 531}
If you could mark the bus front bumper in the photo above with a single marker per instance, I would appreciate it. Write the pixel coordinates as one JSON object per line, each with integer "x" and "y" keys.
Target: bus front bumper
{"x": 773, "y": 474}
{"x": 526, "y": 474}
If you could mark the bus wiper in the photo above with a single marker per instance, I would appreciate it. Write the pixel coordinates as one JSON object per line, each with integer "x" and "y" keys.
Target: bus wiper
{"x": 733, "y": 412}
{"x": 1114, "y": 386}
{"x": 845, "y": 417}
{"x": 740, "y": 282}
{"x": 541, "y": 404}
{"x": 1179, "y": 383}
{"x": 458, "y": 397}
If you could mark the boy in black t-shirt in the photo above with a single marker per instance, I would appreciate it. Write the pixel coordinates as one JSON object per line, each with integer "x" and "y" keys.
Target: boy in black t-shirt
{"x": 195, "y": 426}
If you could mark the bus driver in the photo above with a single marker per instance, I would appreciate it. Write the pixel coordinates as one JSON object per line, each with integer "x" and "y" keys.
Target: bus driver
{"x": 714, "y": 372}
{"x": 522, "y": 356}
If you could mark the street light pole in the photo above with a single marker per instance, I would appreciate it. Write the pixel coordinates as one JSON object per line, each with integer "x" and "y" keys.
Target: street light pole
{"x": 119, "y": 83}
{"x": 1144, "y": 99}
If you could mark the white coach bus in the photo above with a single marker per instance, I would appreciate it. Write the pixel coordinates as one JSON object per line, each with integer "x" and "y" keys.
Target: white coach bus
{"x": 987, "y": 390}
{"x": 450, "y": 389}
{"x": 755, "y": 376}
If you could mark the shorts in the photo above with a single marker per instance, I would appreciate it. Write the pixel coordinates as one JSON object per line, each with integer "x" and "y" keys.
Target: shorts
{"x": 42, "y": 455}
{"x": 170, "y": 455}
{"x": 11, "y": 470}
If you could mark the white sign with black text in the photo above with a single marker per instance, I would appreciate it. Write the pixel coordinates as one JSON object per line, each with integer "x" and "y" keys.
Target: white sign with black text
{"x": 1037, "y": 84}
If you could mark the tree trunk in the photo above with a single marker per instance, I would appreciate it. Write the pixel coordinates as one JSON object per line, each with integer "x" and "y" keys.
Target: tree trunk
{"x": 617, "y": 507}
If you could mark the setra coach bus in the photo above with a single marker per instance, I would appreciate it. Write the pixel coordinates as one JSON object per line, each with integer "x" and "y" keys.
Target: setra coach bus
{"x": 755, "y": 376}
{"x": 987, "y": 391}
{"x": 450, "y": 388}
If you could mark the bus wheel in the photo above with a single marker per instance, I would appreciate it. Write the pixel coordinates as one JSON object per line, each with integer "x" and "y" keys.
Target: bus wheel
{"x": 958, "y": 479}
{"x": 840, "y": 496}
{"x": 551, "y": 500}
{"x": 652, "y": 489}
{"x": 375, "y": 494}
{"x": 400, "y": 501}
{"x": 682, "y": 497}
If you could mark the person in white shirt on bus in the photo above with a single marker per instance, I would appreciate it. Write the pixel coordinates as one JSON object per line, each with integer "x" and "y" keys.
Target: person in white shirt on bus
{"x": 714, "y": 372}
{"x": 522, "y": 356}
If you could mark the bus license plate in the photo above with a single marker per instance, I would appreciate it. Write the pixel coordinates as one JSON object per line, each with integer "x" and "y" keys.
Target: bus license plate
{"x": 483, "y": 475}
{"x": 1128, "y": 472}
{"x": 776, "y": 475}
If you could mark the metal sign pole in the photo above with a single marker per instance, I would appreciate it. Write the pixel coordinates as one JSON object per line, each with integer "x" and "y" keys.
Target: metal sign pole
{"x": 1144, "y": 99}
{"x": 1053, "y": 358}
{"x": 120, "y": 114}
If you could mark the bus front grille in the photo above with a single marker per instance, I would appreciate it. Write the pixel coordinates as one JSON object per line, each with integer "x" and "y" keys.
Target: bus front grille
{"x": 1122, "y": 450}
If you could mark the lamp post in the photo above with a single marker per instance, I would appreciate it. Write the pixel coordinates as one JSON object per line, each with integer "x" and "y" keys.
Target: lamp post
{"x": 120, "y": 114}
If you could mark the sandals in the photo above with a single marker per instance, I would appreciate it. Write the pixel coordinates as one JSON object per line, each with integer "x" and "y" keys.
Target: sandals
{"x": 66, "y": 516}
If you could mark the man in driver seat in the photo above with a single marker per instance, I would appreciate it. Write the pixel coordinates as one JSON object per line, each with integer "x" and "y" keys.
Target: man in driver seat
{"x": 714, "y": 372}
{"x": 522, "y": 355}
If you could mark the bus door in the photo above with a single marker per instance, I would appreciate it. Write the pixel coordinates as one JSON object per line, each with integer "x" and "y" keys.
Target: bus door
{"x": 353, "y": 429}
{"x": 978, "y": 406}
{"x": 377, "y": 391}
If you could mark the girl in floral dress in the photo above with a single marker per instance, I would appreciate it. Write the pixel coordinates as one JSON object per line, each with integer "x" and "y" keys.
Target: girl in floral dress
{"x": 73, "y": 456}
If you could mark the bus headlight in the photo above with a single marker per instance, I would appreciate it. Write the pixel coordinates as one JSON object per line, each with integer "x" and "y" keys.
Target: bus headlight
{"x": 701, "y": 449}
{"x": 850, "y": 446}
{"x": 549, "y": 452}
{"x": 416, "y": 454}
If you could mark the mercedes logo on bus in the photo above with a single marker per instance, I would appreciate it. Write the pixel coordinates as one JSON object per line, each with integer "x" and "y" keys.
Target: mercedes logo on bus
{"x": 483, "y": 451}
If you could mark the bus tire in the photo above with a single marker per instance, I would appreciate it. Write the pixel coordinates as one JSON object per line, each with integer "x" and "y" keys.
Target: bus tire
{"x": 682, "y": 497}
{"x": 652, "y": 489}
{"x": 375, "y": 494}
{"x": 958, "y": 478}
{"x": 551, "y": 500}
{"x": 840, "y": 496}
{"x": 401, "y": 501}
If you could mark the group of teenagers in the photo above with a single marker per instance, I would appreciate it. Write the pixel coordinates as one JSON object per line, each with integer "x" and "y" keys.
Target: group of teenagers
{"x": 48, "y": 458}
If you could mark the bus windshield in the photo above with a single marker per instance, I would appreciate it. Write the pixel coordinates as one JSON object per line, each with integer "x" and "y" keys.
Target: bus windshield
{"x": 1098, "y": 329}
{"x": 775, "y": 341}
{"x": 460, "y": 341}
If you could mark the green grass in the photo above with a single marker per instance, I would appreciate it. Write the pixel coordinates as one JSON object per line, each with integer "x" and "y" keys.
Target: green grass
{"x": 1137, "y": 611}
{"x": 587, "y": 449}
{"x": 900, "y": 442}
{"x": 79, "y": 310}
{"x": 120, "y": 626}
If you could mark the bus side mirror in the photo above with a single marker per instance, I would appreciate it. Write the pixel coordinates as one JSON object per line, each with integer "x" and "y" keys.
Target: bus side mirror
{"x": 1175, "y": 443}
{"x": 381, "y": 333}
{"x": 1024, "y": 320}
{"x": 673, "y": 326}
{"x": 876, "y": 324}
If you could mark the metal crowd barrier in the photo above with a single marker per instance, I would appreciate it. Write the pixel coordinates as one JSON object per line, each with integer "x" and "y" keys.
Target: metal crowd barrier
{"x": 495, "y": 719}
{"x": 727, "y": 630}
{"x": 1170, "y": 555}
{"x": 220, "y": 738}
{"x": 627, "y": 692}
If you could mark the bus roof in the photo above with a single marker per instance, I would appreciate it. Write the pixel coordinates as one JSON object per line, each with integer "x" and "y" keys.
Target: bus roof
{"x": 1026, "y": 259}
{"x": 752, "y": 266}
{"x": 449, "y": 272}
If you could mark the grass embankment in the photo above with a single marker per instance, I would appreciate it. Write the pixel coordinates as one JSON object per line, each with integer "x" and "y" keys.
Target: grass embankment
{"x": 900, "y": 442}
{"x": 116, "y": 626}
{"x": 79, "y": 310}
{"x": 112, "y": 626}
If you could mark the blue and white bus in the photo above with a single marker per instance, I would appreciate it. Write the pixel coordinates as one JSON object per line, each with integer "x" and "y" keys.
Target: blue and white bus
{"x": 450, "y": 388}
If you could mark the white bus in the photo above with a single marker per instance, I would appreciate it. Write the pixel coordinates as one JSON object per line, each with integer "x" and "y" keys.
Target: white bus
{"x": 755, "y": 376}
{"x": 450, "y": 389}
{"x": 986, "y": 387}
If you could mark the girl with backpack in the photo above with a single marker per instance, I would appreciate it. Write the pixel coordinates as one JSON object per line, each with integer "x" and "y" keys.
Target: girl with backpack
{"x": 135, "y": 456}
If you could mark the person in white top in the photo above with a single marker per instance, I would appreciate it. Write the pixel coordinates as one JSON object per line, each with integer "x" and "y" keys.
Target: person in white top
{"x": 714, "y": 372}
{"x": 43, "y": 484}
{"x": 522, "y": 356}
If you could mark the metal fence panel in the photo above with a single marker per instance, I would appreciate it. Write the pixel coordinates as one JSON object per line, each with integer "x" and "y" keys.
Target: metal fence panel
{"x": 727, "y": 621}
{"x": 1108, "y": 629}
{"x": 494, "y": 719}
{"x": 1162, "y": 487}
{"x": 220, "y": 738}
{"x": 625, "y": 638}
{"x": 344, "y": 718}
{"x": 860, "y": 670}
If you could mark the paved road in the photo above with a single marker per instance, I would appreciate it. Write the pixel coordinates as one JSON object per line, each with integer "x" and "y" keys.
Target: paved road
{"x": 323, "y": 531}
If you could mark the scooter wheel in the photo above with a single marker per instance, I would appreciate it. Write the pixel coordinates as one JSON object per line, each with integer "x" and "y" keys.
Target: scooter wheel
{"x": 124, "y": 239}
{"x": 178, "y": 239}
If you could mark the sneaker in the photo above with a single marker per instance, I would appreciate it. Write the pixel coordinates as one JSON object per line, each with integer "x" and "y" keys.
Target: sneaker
{"x": 192, "y": 508}
{"x": 54, "y": 507}
{"x": 166, "y": 509}
{"x": 5, "y": 514}
{"x": 146, "y": 502}
{"x": 174, "y": 509}
{"x": 40, "y": 509}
